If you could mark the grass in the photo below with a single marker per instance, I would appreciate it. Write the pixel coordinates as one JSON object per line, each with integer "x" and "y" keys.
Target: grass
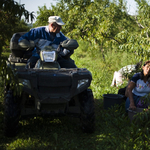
{"x": 102, "y": 70}
{"x": 113, "y": 128}
{"x": 113, "y": 132}
{"x": 62, "y": 133}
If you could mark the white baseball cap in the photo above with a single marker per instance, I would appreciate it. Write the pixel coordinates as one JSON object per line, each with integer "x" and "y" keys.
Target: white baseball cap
{"x": 56, "y": 19}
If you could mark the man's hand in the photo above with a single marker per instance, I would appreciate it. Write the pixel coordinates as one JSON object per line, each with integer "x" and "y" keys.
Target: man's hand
{"x": 132, "y": 107}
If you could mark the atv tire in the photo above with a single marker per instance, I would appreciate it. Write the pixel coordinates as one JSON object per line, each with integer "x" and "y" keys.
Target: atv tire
{"x": 11, "y": 114}
{"x": 87, "y": 116}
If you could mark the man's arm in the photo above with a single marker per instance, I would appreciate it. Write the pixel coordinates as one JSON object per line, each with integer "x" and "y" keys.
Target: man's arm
{"x": 28, "y": 40}
{"x": 31, "y": 35}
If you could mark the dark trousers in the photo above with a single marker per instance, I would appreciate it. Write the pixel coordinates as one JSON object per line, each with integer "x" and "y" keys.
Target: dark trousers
{"x": 32, "y": 61}
{"x": 64, "y": 63}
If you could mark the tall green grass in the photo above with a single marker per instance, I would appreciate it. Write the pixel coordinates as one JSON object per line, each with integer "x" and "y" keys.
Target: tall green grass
{"x": 102, "y": 66}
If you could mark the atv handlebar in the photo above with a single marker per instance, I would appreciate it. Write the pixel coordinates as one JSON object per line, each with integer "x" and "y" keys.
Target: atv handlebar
{"x": 70, "y": 44}
{"x": 25, "y": 44}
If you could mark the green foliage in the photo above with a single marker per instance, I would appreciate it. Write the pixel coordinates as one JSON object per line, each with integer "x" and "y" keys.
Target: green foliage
{"x": 21, "y": 26}
{"x": 107, "y": 27}
{"x": 101, "y": 66}
{"x": 109, "y": 39}
{"x": 9, "y": 77}
{"x": 10, "y": 14}
{"x": 42, "y": 18}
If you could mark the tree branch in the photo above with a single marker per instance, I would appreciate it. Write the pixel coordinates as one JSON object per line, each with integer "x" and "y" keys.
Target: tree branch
{"x": 141, "y": 26}
{"x": 110, "y": 37}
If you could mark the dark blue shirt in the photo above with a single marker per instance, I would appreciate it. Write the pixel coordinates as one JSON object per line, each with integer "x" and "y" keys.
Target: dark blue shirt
{"x": 42, "y": 37}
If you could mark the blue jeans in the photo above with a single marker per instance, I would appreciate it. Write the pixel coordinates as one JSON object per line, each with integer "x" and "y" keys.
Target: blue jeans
{"x": 136, "y": 100}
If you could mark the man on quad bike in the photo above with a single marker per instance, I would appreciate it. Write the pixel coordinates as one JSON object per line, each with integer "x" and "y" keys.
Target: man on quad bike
{"x": 47, "y": 36}
{"x": 55, "y": 86}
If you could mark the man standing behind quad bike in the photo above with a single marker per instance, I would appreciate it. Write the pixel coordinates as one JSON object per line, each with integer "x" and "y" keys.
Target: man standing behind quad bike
{"x": 48, "y": 36}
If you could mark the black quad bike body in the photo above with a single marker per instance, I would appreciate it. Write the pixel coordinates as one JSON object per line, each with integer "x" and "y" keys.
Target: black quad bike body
{"x": 47, "y": 90}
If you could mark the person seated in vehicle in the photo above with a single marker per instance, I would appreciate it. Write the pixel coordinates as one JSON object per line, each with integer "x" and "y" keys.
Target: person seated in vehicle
{"x": 138, "y": 88}
{"x": 48, "y": 36}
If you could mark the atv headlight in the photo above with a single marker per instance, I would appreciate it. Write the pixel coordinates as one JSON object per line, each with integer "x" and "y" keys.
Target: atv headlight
{"x": 82, "y": 82}
{"x": 24, "y": 82}
{"x": 48, "y": 56}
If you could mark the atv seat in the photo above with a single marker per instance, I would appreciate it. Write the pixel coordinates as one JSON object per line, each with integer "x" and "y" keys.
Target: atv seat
{"x": 16, "y": 51}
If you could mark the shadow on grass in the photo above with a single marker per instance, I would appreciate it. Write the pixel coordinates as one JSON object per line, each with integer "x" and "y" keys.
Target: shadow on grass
{"x": 56, "y": 133}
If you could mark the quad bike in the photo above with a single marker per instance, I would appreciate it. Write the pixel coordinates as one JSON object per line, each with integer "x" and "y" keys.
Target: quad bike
{"x": 47, "y": 89}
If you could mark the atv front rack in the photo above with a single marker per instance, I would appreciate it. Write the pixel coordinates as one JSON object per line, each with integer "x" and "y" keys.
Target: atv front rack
{"x": 54, "y": 84}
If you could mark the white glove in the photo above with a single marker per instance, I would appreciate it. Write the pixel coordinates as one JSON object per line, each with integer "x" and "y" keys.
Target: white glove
{"x": 64, "y": 52}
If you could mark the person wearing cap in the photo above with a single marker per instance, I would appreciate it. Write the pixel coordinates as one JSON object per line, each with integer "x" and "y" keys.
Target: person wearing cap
{"x": 48, "y": 36}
